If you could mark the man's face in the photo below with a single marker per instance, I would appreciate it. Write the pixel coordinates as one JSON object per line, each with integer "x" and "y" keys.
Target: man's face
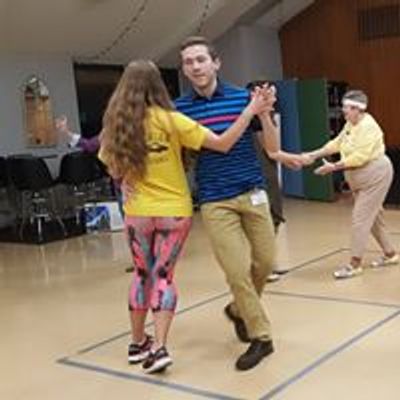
{"x": 199, "y": 67}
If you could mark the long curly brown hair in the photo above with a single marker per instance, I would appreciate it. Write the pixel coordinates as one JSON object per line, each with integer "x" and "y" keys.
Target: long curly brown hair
{"x": 123, "y": 137}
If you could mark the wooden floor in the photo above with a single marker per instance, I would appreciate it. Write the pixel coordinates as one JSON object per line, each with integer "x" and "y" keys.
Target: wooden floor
{"x": 64, "y": 330}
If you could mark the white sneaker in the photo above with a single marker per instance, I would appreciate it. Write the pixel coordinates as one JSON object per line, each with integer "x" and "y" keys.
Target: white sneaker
{"x": 274, "y": 277}
{"x": 347, "y": 271}
{"x": 385, "y": 261}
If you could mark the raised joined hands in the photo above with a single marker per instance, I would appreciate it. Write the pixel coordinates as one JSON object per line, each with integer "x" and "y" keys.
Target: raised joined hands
{"x": 263, "y": 99}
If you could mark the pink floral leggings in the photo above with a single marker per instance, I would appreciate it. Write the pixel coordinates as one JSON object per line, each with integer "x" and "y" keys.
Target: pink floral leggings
{"x": 156, "y": 244}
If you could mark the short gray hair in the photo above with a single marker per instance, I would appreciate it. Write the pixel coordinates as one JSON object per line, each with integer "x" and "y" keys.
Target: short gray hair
{"x": 357, "y": 96}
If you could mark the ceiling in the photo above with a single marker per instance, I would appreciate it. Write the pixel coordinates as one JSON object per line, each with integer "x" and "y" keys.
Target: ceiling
{"x": 85, "y": 28}
{"x": 282, "y": 11}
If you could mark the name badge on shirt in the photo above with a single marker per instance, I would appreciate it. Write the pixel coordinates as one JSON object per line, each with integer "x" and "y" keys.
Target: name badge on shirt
{"x": 259, "y": 197}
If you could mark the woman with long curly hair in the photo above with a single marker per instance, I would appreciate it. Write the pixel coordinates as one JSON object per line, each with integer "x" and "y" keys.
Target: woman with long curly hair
{"x": 141, "y": 144}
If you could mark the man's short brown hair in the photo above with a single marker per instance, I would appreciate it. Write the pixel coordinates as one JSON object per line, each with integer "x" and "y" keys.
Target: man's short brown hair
{"x": 199, "y": 40}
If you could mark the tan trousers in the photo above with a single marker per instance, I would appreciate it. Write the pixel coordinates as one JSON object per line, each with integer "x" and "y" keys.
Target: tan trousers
{"x": 243, "y": 240}
{"x": 369, "y": 185}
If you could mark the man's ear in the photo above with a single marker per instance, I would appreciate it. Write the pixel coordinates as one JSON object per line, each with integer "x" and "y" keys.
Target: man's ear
{"x": 182, "y": 70}
{"x": 218, "y": 63}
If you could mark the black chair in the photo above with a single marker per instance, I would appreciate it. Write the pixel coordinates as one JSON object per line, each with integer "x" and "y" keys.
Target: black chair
{"x": 32, "y": 180}
{"x": 3, "y": 173}
{"x": 3, "y": 185}
{"x": 79, "y": 168}
{"x": 80, "y": 171}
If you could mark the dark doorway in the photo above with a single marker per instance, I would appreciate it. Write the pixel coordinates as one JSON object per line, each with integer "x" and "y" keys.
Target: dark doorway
{"x": 94, "y": 86}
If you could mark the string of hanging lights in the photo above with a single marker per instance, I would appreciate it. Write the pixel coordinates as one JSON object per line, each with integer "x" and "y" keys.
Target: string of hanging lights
{"x": 133, "y": 23}
{"x": 204, "y": 16}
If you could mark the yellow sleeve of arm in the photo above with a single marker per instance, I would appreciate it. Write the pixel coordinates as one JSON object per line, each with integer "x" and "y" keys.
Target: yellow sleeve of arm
{"x": 101, "y": 156}
{"x": 333, "y": 146}
{"x": 191, "y": 134}
{"x": 364, "y": 150}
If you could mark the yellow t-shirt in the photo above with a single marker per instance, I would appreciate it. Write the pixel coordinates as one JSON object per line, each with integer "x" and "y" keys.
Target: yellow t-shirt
{"x": 359, "y": 144}
{"x": 164, "y": 191}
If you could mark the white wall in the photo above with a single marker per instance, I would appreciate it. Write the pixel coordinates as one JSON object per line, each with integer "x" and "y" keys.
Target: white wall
{"x": 57, "y": 73}
{"x": 230, "y": 48}
{"x": 249, "y": 53}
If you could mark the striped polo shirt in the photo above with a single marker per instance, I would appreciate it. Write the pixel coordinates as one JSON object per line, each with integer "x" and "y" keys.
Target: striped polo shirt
{"x": 223, "y": 176}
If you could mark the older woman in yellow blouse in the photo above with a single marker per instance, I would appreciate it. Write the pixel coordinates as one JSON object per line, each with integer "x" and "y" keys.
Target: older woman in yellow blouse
{"x": 369, "y": 173}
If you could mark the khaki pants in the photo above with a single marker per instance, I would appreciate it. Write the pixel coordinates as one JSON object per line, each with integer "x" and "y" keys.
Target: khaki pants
{"x": 243, "y": 240}
{"x": 270, "y": 172}
{"x": 370, "y": 185}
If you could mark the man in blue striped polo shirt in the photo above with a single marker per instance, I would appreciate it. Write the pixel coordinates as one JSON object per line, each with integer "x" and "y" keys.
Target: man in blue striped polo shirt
{"x": 234, "y": 204}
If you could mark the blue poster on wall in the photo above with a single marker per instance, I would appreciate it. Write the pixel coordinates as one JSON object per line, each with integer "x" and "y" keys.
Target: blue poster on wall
{"x": 292, "y": 181}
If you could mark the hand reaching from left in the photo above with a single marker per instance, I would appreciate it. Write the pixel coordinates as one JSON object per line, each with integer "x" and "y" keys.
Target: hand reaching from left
{"x": 289, "y": 160}
{"x": 307, "y": 159}
{"x": 292, "y": 161}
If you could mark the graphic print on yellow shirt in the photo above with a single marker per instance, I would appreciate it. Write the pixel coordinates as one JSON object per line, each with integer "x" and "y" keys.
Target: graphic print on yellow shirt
{"x": 158, "y": 144}
{"x": 164, "y": 191}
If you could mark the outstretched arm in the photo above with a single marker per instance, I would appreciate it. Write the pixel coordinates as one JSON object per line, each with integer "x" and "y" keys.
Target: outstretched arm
{"x": 269, "y": 140}
{"x": 260, "y": 103}
{"x": 75, "y": 140}
{"x": 330, "y": 148}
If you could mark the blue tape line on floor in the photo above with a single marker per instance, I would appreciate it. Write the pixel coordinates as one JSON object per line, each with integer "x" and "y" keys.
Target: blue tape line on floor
{"x": 204, "y": 302}
{"x": 124, "y": 334}
{"x": 332, "y": 299}
{"x": 328, "y": 356}
{"x": 314, "y": 260}
{"x": 273, "y": 392}
{"x": 138, "y": 378}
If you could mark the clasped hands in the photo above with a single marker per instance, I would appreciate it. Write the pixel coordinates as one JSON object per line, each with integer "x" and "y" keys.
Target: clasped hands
{"x": 325, "y": 169}
{"x": 263, "y": 99}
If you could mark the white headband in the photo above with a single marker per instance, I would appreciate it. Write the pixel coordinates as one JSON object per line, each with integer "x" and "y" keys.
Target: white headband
{"x": 354, "y": 103}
